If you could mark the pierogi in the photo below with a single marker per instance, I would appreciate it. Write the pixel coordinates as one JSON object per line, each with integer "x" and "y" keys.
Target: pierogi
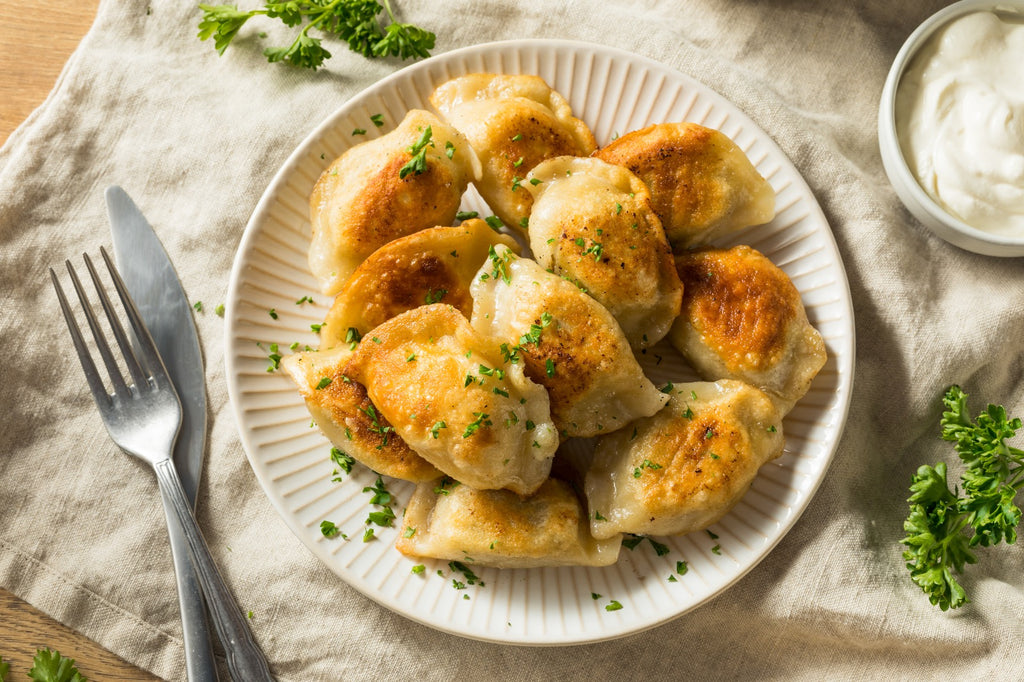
{"x": 702, "y": 185}
{"x": 513, "y": 122}
{"x": 567, "y": 342}
{"x": 449, "y": 394}
{"x": 435, "y": 265}
{"x": 367, "y": 197}
{"x": 684, "y": 468}
{"x": 592, "y": 222}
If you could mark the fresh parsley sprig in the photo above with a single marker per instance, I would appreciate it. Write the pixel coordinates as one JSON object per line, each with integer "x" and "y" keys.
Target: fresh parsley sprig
{"x": 936, "y": 539}
{"x": 356, "y": 22}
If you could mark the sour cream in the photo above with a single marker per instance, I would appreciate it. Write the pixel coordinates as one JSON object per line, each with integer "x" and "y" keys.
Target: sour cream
{"x": 960, "y": 120}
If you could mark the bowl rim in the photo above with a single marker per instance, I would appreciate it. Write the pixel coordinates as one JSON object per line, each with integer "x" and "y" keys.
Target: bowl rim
{"x": 903, "y": 180}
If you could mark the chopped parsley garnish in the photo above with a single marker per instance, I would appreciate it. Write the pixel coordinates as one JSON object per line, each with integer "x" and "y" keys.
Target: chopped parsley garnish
{"x": 500, "y": 264}
{"x": 717, "y": 549}
{"x": 682, "y": 567}
{"x": 383, "y": 518}
{"x": 549, "y": 367}
{"x": 667, "y": 388}
{"x": 342, "y": 459}
{"x": 466, "y": 215}
{"x": 446, "y": 486}
{"x": 219, "y": 310}
{"x": 434, "y": 296}
{"x": 613, "y": 606}
{"x": 659, "y": 548}
{"x": 474, "y": 426}
{"x": 368, "y": 534}
{"x": 323, "y": 383}
{"x": 471, "y": 578}
{"x": 449, "y": 149}
{"x": 376, "y": 426}
{"x": 647, "y": 464}
{"x": 630, "y": 541}
{"x": 409, "y": 532}
{"x": 198, "y": 305}
{"x": 418, "y": 163}
{"x": 419, "y": 569}
{"x": 315, "y": 328}
{"x": 328, "y": 529}
{"x": 304, "y": 299}
{"x": 358, "y": 131}
{"x": 353, "y": 337}
{"x": 436, "y": 428}
{"x": 381, "y": 496}
{"x": 272, "y": 313}
{"x": 494, "y": 222}
{"x": 274, "y": 357}
{"x": 378, "y": 119}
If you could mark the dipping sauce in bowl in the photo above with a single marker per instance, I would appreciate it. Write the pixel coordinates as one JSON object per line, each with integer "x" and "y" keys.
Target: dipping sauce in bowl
{"x": 960, "y": 120}
{"x": 951, "y": 125}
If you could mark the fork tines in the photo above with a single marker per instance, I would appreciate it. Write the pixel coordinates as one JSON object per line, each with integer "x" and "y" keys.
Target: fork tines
{"x": 144, "y": 364}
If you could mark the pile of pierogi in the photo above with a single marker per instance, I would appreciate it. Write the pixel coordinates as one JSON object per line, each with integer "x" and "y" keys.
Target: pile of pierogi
{"x": 461, "y": 353}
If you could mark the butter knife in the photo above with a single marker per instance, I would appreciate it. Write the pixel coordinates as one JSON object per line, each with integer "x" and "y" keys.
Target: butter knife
{"x": 153, "y": 283}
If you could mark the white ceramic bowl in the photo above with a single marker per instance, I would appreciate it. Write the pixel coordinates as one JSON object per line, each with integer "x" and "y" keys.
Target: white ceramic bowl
{"x": 918, "y": 202}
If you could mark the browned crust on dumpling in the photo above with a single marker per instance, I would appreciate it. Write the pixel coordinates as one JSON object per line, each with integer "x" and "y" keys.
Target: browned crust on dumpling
{"x": 579, "y": 351}
{"x": 435, "y": 265}
{"x": 390, "y": 207}
{"x": 699, "y": 179}
{"x": 740, "y": 303}
{"x": 344, "y": 412}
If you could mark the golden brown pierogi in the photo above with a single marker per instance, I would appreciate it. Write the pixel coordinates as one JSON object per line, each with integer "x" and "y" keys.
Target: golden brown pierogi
{"x": 450, "y": 521}
{"x": 592, "y": 222}
{"x": 449, "y": 394}
{"x": 567, "y": 341}
{"x": 343, "y": 412}
{"x": 362, "y": 201}
{"x": 687, "y": 466}
{"x": 742, "y": 318}
{"x": 513, "y": 123}
{"x": 702, "y": 185}
{"x": 435, "y": 265}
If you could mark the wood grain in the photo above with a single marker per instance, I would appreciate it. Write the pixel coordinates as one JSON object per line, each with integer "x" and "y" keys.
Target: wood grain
{"x": 36, "y": 39}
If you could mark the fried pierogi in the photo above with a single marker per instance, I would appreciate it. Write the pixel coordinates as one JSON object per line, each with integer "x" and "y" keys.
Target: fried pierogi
{"x": 448, "y": 393}
{"x": 513, "y": 123}
{"x": 408, "y": 180}
{"x": 702, "y": 185}
{"x": 742, "y": 318}
{"x": 593, "y": 223}
{"x": 435, "y": 265}
{"x": 343, "y": 412}
{"x": 567, "y": 342}
{"x": 684, "y": 468}
{"x": 499, "y": 528}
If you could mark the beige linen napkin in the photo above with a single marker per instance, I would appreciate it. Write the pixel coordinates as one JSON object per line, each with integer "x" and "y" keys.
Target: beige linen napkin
{"x": 196, "y": 138}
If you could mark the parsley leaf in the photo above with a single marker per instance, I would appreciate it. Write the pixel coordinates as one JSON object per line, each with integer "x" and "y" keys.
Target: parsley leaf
{"x": 936, "y": 541}
{"x": 418, "y": 163}
{"x": 356, "y": 22}
{"x": 50, "y": 666}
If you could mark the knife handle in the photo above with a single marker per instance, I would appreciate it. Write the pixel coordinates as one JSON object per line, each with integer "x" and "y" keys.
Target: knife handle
{"x": 246, "y": 662}
{"x": 200, "y": 664}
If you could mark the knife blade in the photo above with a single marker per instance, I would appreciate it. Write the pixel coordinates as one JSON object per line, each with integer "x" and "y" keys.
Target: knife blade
{"x": 165, "y": 310}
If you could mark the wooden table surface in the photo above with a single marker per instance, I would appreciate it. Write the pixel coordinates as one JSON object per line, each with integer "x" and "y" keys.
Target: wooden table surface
{"x": 33, "y": 50}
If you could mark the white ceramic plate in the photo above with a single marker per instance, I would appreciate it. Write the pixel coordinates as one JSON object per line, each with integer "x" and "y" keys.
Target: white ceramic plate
{"x": 614, "y": 92}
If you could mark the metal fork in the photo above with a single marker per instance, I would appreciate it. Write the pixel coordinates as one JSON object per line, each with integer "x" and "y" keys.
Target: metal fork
{"x": 143, "y": 418}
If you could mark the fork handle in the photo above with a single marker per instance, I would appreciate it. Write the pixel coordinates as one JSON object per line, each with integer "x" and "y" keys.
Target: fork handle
{"x": 246, "y": 662}
{"x": 200, "y": 664}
